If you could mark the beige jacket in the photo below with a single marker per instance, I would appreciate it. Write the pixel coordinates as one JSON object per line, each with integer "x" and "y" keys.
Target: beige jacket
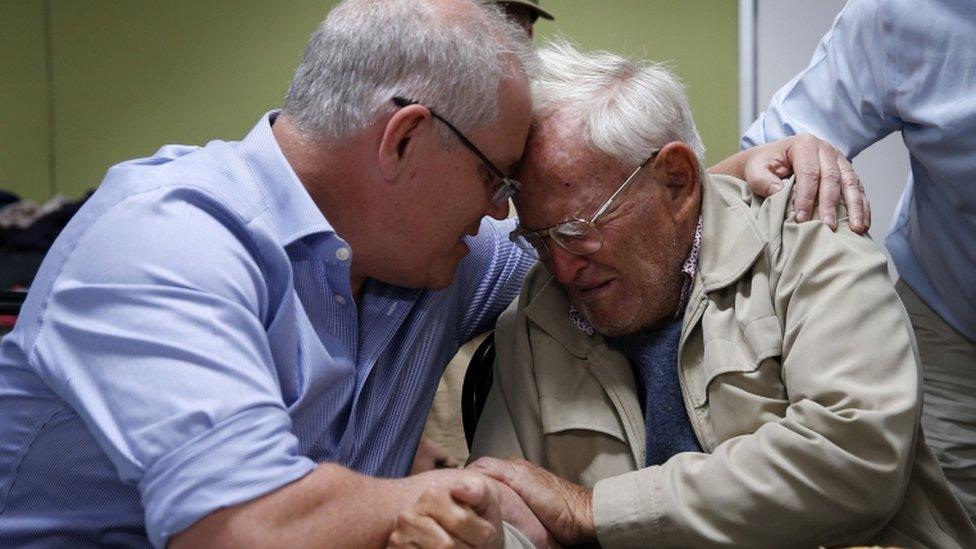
{"x": 800, "y": 376}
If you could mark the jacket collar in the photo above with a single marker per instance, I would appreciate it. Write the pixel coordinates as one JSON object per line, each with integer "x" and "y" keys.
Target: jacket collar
{"x": 731, "y": 237}
{"x": 731, "y": 243}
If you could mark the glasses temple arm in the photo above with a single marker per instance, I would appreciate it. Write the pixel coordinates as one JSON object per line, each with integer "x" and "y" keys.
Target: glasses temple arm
{"x": 624, "y": 185}
{"x": 467, "y": 143}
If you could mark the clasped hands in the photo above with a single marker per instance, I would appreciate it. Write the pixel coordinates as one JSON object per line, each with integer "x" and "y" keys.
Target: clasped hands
{"x": 467, "y": 509}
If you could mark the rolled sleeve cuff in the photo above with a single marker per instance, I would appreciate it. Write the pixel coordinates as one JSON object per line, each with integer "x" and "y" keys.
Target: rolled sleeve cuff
{"x": 515, "y": 539}
{"x": 625, "y": 513}
{"x": 242, "y": 458}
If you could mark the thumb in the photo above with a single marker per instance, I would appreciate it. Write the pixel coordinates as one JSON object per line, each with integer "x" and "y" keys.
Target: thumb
{"x": 764, "y": 181}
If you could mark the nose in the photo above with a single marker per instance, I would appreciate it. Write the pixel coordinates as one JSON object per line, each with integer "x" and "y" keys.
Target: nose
{"x": 564, "y": 265}
{"x": 498, "y": 211}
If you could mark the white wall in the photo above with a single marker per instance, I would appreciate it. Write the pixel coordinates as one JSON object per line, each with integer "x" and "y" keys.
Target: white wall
{"x": 785, "y": 35}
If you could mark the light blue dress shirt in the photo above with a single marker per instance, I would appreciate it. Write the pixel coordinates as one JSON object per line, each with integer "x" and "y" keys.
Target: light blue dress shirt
{"x": 191, "y": 343}
{"x": 909, "y": 66}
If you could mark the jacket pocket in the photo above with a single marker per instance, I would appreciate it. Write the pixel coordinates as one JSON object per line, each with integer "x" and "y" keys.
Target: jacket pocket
{"x": 741, "y": 350}
{"x": 581, "y": 414}
{"x": 585, "y": 440}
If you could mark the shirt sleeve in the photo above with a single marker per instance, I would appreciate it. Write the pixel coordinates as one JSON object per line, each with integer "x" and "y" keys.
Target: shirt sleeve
{"x": 489, "y": 277}
{"x": 843, "y": 95}
{"x": 154, "y": 335}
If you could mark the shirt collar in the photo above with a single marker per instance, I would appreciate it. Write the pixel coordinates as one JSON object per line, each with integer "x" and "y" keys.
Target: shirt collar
{"x": 689, "y": 269}
{"x": 293, "y": 214}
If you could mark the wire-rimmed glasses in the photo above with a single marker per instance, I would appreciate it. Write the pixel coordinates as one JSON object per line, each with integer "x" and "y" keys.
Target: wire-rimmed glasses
{"x": 505, "y": 187}
{"x": 576, "y": 236}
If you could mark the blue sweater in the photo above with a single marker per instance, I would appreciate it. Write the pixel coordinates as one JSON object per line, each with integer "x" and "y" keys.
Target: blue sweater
{"x": 654, "y": 358}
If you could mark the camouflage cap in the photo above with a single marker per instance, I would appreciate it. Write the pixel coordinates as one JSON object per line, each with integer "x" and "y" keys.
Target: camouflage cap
{"x": 531, "y": 4}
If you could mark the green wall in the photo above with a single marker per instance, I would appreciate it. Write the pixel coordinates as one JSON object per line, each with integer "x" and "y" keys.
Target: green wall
{"x": 129, "y": 76}
{"x": 24, "y": 116}
{"x": 699, "y": 38}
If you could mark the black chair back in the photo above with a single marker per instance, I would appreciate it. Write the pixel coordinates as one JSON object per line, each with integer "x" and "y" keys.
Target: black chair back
{"x": 11, "y": 301}
{"x": 477, "y": 383}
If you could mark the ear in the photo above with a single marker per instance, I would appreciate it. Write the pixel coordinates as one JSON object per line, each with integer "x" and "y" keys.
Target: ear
{"x": 682, "y": 184}
{"x": 398, "y": 143}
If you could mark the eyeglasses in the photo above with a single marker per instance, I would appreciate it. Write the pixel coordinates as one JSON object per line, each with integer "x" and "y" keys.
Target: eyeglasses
{"x": 576, "y": 236}
{"x": 505, "y": 188}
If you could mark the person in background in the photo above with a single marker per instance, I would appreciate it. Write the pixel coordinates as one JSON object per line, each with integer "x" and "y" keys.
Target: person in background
{"x": 907, "y": 65}
{"x": 524, "y": 13}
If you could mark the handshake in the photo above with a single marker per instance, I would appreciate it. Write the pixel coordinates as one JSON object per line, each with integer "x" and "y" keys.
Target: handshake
{"x": 466, "y": 508}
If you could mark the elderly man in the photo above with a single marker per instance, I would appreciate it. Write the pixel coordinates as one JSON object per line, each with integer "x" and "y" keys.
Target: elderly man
{"x": 229, "y": 343}
{"x": 698, "y": 367}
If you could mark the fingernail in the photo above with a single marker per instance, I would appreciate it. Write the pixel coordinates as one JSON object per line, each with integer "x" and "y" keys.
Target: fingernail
{"x": 776, "y": 188}
{"x": 801, "y": 215}
{"x": 829, "y": 220}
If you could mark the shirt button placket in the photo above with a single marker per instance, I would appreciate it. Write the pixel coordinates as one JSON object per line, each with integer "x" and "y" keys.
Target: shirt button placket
{"x": 342, "y": 254}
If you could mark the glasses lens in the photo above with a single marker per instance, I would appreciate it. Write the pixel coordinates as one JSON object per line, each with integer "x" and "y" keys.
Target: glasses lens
{"x": 505, "y": 190}
{"x": 577, "y": 236}
{"x": 531, "y": 243}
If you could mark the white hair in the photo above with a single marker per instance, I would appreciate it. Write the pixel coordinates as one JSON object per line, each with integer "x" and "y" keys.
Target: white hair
{"x": 366, "y": 52}
{"x": 627, "y": 108}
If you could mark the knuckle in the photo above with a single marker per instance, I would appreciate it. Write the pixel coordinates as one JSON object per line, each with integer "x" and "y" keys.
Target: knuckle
{"x": 457, "y": 517}
{"x": 427, "y": 496}
{"x": 805, "y": 196}
{"x": 402, "y": 518}
{"x": 810, "y": 172}
{"x": 830, "y": 174}
{"x": 407, "y": 519}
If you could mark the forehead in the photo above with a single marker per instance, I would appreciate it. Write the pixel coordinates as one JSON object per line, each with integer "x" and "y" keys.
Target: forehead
{"x": 504, "y": 141}
{"x": 561, "y": 176}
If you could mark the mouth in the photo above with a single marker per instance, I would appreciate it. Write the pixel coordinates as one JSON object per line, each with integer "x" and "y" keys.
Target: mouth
{"x": 594, "y": 289}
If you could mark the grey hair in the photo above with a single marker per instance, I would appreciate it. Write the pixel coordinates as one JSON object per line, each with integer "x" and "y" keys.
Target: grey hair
{"x": 627, "y": 108}
{"x": 367, "y": 51}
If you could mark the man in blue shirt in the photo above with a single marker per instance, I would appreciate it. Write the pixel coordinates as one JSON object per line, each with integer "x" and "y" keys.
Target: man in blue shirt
{"x": 230, "y": 343}
{"x": 908, "y": 66}
{"x": 219, "y": 320}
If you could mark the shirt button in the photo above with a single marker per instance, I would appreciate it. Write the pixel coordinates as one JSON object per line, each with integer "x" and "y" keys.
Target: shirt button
{"x": 342, "y": 254}
{"x": 340, "y": 300}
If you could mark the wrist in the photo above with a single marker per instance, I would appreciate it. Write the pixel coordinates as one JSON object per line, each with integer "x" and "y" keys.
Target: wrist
{"x": 733, "y": 166}
{"x": 585, "y": 526}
